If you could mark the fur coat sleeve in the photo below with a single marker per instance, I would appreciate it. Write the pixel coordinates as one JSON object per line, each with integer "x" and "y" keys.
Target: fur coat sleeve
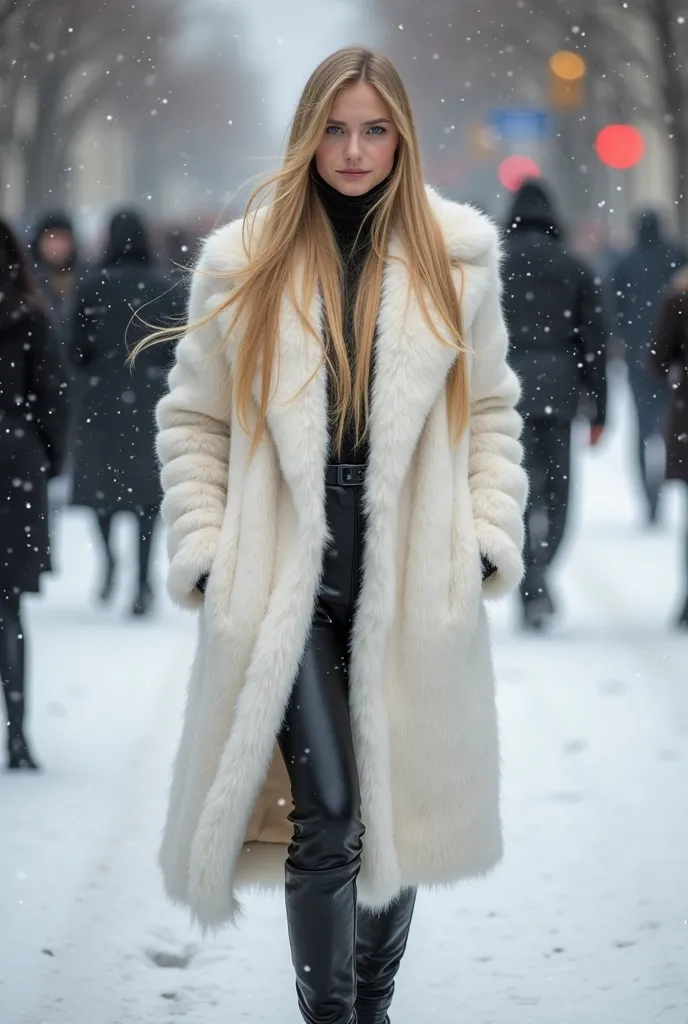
{"x": 497, "y": 481}
{"x": 193, "y": 445}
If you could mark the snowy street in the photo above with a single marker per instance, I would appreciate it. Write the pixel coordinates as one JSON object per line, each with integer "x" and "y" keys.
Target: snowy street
{"x": 586, "y": 920}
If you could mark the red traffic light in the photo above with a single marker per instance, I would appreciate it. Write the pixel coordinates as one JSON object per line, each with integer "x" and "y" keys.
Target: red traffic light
{"x": 516, "y": 169}
{"x": 620, "y": 146}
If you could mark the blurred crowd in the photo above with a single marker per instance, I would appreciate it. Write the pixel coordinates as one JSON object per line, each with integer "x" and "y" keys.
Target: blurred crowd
{"x": 569, "y": 319}
{"x": 77, "y": 419}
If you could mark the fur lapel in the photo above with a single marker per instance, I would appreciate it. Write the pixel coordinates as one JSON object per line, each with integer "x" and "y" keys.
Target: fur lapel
{"x": 410, "y": 368}
{"x": 411, "y": 365}
{"x": 470, "y": 236}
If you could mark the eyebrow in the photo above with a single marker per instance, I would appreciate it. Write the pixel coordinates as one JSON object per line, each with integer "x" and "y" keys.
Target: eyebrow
{"x": 366, "y": 124}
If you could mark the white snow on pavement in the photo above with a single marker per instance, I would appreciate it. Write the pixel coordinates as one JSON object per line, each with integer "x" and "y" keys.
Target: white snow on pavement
{"x": 587, "y": 918}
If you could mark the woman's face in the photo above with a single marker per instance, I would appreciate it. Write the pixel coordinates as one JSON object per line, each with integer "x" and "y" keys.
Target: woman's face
{"x": 56, "y": 246}
{"x": 360, "y": 140}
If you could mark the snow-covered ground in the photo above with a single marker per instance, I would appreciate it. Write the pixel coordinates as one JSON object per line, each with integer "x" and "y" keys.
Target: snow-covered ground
{"x": 586, "y": 920}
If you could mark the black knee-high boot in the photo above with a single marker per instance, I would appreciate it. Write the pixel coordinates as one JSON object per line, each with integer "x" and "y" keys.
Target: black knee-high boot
{"x": 321, "y": 918}
{"x": 380, "y": 945}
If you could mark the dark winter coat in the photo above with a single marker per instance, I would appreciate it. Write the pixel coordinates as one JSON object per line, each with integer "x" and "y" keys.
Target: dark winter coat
{"x": 553, "y": 307}
{"x": 58, "y": 289}
{"x": 34, "y": 416}
{"x": 669, "y": 357}
{"x": 116, "y": 466}
{"x": 637, "y": 287}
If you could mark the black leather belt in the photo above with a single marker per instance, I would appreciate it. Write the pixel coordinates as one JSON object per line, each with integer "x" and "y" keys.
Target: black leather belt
{"x": 344, "y": 476}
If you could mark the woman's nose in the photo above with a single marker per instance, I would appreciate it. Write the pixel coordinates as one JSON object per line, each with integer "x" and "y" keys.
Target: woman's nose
{"x": 353, "y": 148}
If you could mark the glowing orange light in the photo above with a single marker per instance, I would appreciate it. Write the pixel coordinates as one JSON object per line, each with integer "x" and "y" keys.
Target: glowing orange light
{"x": 620, "y": 146}
{"x": 567, "y": 65}
{"x": 514, "y": 170}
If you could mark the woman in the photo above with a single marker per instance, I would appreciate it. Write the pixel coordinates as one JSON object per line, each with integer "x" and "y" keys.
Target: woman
{"x": 670, "y": 358}
{"x": 339, "y": 449}
{"x": 33, "y": 432}
{"x": 115, "y": 461}
{"x": 56, "y": 266}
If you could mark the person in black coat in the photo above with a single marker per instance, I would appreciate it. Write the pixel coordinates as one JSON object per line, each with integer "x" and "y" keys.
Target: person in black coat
{"x": 638, "y": 284}
{"x": 34, "y": 416}
{"x": 553, "y": 307}
{"x": 116, "y": 467}
{"x": 57, "y": 270}
{"x": 669, "y": 360}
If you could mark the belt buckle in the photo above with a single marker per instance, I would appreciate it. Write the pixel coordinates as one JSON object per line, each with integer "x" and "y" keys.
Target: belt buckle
{"x": 349, "y": 476}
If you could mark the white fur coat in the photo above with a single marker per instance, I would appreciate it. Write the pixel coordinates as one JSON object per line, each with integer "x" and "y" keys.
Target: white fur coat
{"x": 421, "y": 682}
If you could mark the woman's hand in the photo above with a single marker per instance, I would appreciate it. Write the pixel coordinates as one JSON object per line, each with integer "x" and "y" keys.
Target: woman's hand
{"x": 488, "y": 567}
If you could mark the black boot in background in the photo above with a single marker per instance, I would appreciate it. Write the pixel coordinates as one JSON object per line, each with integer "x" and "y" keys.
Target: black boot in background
{"x": 146, "y": 524}
{"x": 536, "y": 601}
{"x": 20, "y": 757}
{"x": 682, "y": 621}
{"x": 143, "y": 602}
{"x": 104, "y": 521}
{"x": 380, "y": 945}
{"x": 12, "y": 671}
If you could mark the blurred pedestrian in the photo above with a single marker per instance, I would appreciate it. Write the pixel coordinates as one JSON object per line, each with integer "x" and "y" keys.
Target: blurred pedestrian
{"x": 33, "y": 431}
{"x": 553, "y": 307}
{"x": 592, "y": 241}
{"x": 57, "y": 269}
{"x": 637, "y": 286}
{"x": 669, "y": 358}
{"x": 116, "y": 467}
{"x": 339, "y": 524}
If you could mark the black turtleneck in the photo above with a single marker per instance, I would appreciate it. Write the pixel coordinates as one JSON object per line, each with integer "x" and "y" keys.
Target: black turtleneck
{"x": 347, "y": 215}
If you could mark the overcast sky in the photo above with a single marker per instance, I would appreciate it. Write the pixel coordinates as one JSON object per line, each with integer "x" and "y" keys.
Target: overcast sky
{"x": 287, "y": 40}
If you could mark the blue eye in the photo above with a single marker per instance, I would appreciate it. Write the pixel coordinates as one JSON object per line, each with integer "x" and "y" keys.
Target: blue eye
{"x": 377, "y": 129}
{"x": 332, "y": 129}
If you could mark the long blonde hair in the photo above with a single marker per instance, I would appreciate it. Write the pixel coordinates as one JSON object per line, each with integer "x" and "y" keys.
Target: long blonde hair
{"x": 297, "y": 232}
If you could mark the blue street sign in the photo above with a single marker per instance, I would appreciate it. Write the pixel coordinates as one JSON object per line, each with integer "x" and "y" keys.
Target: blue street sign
{"x": 521, "y": 125}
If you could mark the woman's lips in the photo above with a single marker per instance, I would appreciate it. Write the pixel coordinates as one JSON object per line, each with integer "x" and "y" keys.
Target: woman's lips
{"x": 353, "y": 174}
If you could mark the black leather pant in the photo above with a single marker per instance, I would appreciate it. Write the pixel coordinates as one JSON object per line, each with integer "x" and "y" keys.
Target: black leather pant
{"x": 336, "y": 949}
